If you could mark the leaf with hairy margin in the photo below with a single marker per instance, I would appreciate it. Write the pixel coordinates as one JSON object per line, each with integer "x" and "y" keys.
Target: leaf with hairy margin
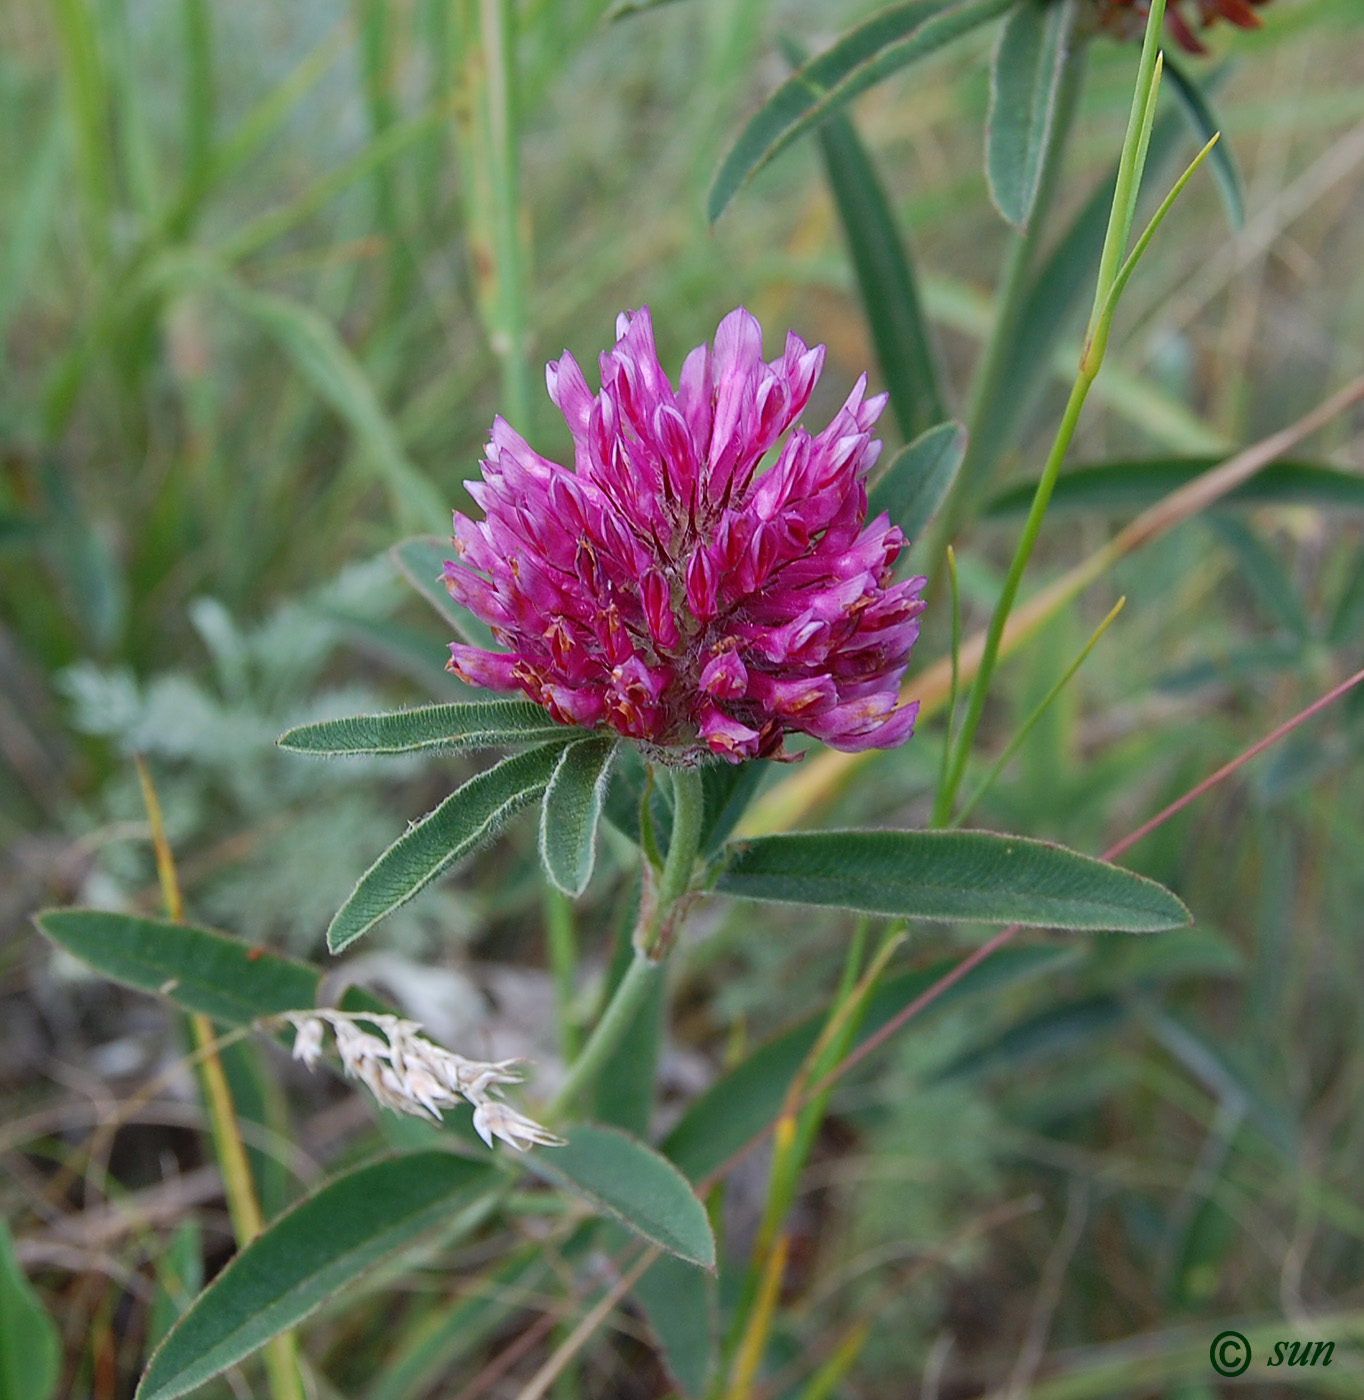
{"x": 471, "y": 815}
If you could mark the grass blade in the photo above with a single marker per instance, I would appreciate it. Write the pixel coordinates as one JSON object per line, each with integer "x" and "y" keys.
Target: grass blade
{"x": 1137, "y": 484}
{"x": 1195, "y": 106}
{"x": 886, "y": 279}
{"x": 886, "y": 42}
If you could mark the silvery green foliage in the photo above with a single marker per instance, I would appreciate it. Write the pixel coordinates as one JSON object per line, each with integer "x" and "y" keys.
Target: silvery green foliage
{"x": 209, "y": 730}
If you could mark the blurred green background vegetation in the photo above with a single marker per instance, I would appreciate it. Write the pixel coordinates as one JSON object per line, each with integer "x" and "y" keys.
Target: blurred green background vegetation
{"x": 267, "y": 272}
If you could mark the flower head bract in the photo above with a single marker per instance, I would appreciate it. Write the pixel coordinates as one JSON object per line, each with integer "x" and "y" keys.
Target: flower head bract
{"x": 677, "y": 586}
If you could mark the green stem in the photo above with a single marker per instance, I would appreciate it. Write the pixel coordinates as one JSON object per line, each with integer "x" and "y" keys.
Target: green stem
{"x": 1115, "y": 246}
{"x": 949, "y": 725}
{"x": 509, "y": 333}
{"x": 486, "y": 131}
{"x": 942, "y": 808}
{"x": 1013, "y": 746}
{"x": 561, "y": 939}
{"x": 1130, "y": 163}
{"x": 653, "y": 940}
{"x": 632, "y": 992}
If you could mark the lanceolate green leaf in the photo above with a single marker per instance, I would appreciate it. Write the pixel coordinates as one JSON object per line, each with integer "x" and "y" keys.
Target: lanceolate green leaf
{"x": 1136, "y": 484}
{"x": 471, "y": 815}
{"x": 309, "y": 1253}
{"x": 1058, "y": 290}
{"x": 200, "y": 970}
{"x": 978, "y": 876}
{"x": 746, "y": 1099}
{"x": 571, "y": 810}
{"x": 886, "y": 42}
{"x": 918, "y": 479}
{"x": 1205, "y": 125}
{"x": 30, "y": 1345}
{"x": 1265, "y": 579}
{"x": 321, "y": 357}
{"x": 1025, "y": 84}
{"x": 483, "y": 725}
{"x": 633, "y": 1184}
{"x": 885, "y": 276}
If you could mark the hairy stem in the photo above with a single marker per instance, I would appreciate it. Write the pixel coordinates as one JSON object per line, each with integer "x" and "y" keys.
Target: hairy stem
{"x": 653, "y": 940}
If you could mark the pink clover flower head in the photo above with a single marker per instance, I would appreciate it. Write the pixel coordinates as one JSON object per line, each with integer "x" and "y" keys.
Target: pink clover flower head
{"x": 671, "y": 585}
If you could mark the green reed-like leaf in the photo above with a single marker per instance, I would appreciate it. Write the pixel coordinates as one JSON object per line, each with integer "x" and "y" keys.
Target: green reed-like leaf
{"x": 30, "y": 1345}
{"x": 918, "y": 479}
{"x": 471, "y": 815}
{"x": 1025, "y": 84}
{"x": 1026, "y": 728}
{"x": 885, "y": 278}
{"x": 198, "y": 94}
{"x": 571, "y": 810}
{"x": 979, "y": 876}
{"x": 1104, "y": 311}
{"x": 625, "y": 9}
{"x": 258, "y": 126}
{"x": 631, "y": 1183}
{"x": 1265, "y": 579}
{"x": 1136, "y": 484}
{"x": 1051, "y": 306}
{"x": 488, "y": 724}
{"x": 1194, "y": 103}
{"x": 1131, "y": 163}
{"x": 374, "y": 158}
{"x": 33, "y": 208}
{"x": 886, "y": 42}
{"x": 430, "y": 1351}
{"x": 85, "y": 86}
{"x": 1347, "y": 619}
{"x": 319, "y": 354}
{"x": 308, "y": 1254}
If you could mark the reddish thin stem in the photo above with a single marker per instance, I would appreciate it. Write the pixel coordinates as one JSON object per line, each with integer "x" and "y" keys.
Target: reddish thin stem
{"x": 1228, "y": 768}
{"x": 988, "y": 949}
